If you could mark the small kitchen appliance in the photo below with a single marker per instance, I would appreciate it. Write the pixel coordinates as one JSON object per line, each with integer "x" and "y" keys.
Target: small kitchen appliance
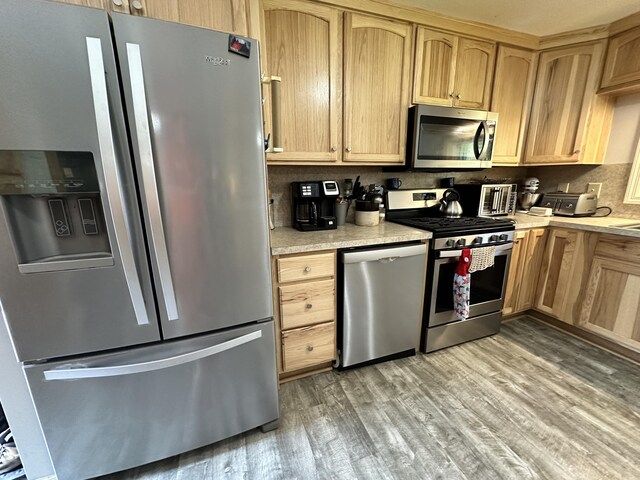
{"x": 450, "y": 138}
{"x": 487, "y": 199}
{"x": 313, "y": 205}
{"x": 571, "y": 204}
{"x": 441, "y": 327}
{"x": 529, "y": 196}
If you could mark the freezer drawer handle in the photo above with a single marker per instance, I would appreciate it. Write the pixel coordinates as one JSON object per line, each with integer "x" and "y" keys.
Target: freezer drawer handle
{"x": 111, "y": 177}
{"x": 143, "y": 136}
{"x": 144, "y": 367}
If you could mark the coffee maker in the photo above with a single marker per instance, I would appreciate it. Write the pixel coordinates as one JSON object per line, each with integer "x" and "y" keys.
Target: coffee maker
{"x": 314, "y": 204}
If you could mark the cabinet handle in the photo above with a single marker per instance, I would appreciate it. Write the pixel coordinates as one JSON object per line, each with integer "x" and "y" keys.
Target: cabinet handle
{"x": 307, "y": 269}
{"x": 309, "y": 348}
{"x": 309, "y": 306}
{"x": 348, "y": 149}
{"x": 137, "y": 5}
{"x": 576, "y": 152}
{"x": 333, "y": 149}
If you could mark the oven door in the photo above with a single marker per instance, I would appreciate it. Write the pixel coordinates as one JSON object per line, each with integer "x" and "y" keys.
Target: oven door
{"x": 487, "y": 286}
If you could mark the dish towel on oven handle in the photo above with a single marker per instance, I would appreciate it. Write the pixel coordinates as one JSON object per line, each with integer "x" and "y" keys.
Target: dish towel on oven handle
{"x": 482, "y": 258}
{"x": 462, "y": 285}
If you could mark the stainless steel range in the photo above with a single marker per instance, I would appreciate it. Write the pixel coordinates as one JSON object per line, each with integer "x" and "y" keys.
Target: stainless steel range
{"x": 440, "y": 325}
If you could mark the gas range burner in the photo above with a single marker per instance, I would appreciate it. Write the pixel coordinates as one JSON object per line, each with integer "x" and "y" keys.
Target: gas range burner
{"x": 443, "y": 226}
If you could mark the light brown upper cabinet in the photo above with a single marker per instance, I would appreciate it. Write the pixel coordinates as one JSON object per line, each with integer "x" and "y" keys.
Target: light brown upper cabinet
{"x": 377, "y": 58}
{"x": 569, "y": 123}
{"x": 302, "y": 42}
{"x": 622, "y": 67}
{"x": 225, "y": 15}
{"x": 512, "y": 92}
{"x": 452, "y": 70}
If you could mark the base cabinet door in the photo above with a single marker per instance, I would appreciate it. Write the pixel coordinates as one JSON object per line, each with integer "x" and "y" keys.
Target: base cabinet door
{"x": 516, "y": 270}
{"x": 532, "y": 260}
{"x": 377, "y": 56}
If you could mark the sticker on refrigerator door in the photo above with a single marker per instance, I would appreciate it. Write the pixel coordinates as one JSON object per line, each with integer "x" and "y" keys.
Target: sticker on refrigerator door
{"x": 240, "y": 45}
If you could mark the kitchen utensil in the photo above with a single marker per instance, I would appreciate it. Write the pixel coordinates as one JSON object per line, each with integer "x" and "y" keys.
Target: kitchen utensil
{"x": 394, "y": 183}
{"x": 450, "y": 204}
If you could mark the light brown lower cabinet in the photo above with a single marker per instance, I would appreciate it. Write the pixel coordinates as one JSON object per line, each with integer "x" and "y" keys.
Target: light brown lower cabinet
{"x": 305, "y": 311}
{"x": 526, "y": 257}
{"x": 611, "y": 306}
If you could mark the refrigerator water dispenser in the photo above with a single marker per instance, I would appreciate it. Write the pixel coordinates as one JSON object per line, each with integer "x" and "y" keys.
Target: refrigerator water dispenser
{"x": 52, "y": 203}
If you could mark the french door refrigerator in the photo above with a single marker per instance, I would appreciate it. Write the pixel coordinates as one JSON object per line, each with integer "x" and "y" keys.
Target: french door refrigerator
{"x": 134, "y": 254}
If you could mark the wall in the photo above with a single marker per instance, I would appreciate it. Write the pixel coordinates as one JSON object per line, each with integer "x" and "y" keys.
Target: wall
{"x": 280, "y": 178}
{"x": 614, "y": 173}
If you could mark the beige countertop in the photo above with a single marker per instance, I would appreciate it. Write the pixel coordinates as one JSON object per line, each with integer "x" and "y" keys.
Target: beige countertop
{"x": 611, "y": 225}
{"x": 286, "y": 240}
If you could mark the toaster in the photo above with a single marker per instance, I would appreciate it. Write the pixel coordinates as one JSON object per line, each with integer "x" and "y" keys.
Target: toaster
{"x": 570, "y": 204}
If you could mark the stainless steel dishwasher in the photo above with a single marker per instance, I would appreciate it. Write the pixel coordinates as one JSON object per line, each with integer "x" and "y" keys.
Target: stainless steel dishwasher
{"x": 381, "y": 291}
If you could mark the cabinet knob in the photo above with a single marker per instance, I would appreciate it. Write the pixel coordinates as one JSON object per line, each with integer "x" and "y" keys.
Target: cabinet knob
{"x": 451, "y": 95}
{"x": 117, "y": 3}
{"x": 333, "y": 149}
{"x": 309, "y": 306}
{"x": 309, "y": 348}
{"x": 457, "y": 96}
{"x": 307, "y": 269}
{"x": 576, "y": 152}
{"x": 137, "y": 4}
{"x": 348, "y": 149}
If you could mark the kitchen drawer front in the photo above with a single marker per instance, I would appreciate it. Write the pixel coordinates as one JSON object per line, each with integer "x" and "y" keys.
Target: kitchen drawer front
{"x": 306, "y": 267}
{"x": 305, "y": 304}
{"x": 308, "y": 346}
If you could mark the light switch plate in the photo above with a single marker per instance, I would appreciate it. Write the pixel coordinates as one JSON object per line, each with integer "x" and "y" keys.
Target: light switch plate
{"x": 594, "y": 188}
{"x": 563, "y": 187}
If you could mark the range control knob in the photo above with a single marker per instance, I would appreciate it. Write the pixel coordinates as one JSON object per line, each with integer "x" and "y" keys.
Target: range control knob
{"x": 493, "y": 238}
{"x": 477, "y": 240}
{"x": 461, "y": 243}
{"x": 450, "y": 243}
{"x": 504, "y": 237}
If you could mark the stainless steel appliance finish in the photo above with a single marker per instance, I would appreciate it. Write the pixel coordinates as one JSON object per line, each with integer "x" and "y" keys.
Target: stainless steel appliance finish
{"x": 487, "y": 200}
{"x": 571, "y": 204}
{"x": 381, "y": 299}
{"x": 453, "y": 138}
{"x": 528, "y": 200}
{"x": 76, "y": 292}
{"x": 208, "y": 219}
{"x": 450, "y": 204}
{"x": 123, "y": 411}
{"x": 440, "y": 325}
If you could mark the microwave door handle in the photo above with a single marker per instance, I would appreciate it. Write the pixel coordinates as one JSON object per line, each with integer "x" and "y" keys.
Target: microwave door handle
{"x": 478, "y": 152}
{"x": 112, "y": 178}
{"x": 151, "y": 196}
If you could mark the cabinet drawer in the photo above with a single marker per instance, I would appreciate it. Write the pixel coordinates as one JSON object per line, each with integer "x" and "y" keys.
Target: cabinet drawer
{"x": 307, "y": 303}
{"x": 308, "y": 346}
{"x": 306, "y": 267}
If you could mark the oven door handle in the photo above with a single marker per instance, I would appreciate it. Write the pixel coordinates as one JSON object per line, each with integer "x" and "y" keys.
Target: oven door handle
{"x": 456, "y": 253}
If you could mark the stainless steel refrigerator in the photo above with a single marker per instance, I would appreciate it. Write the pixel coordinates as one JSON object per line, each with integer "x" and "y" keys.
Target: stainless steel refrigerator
{"x": 134, "y": 253}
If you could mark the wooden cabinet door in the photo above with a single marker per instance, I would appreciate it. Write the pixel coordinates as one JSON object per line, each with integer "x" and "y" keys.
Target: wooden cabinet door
{"x": 436, "y": 54}
{"x": 377, "y": 55}
{"x": 623, "y": 59}
{"x": 565, "y": 89}
{"x": 516, "y": 268}
{"x": 223, "y": 15}
{"x": 531, "y": 261}
{"x": 511, "y": 99}
{"x": 302, "y": 42}
{"x": 612, "y": 302}
{"x": 474, "y": 73}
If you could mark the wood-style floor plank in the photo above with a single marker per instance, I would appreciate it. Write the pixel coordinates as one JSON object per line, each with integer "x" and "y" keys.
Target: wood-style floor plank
{"x": 529, "y": 403}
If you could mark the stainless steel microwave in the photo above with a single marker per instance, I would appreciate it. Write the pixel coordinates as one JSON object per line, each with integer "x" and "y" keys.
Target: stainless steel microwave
{"x": 450, "y": 138}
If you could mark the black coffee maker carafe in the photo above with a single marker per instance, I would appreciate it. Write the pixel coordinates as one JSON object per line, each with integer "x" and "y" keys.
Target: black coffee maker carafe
{"x": 313, "y": 204}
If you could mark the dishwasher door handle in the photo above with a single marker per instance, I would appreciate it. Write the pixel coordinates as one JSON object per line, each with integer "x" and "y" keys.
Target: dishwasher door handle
{"x": 384, "y": 255}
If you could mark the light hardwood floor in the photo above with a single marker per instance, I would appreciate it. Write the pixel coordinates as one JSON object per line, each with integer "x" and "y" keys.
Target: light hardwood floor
{"x": 531, "y": 402}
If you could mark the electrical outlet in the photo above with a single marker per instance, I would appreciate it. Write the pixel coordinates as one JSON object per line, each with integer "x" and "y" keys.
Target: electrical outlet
{"x": 594, "y": 188}
{"x": 563, "y": 187}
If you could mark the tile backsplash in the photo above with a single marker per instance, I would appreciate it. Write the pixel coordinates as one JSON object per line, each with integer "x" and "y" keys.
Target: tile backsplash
{"x": 614, "y": 178}
{"x": 280, "y": 178}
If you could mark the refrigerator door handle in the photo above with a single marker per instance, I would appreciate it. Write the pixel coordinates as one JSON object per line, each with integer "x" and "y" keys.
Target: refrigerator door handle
{"x": 112, "y": 178}
{"x": 152, "y": 200}
{"x": 143, "y": 367}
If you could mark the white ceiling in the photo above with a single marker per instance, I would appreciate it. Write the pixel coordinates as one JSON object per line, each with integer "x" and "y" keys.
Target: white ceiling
{"x": 537, "y": 17}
